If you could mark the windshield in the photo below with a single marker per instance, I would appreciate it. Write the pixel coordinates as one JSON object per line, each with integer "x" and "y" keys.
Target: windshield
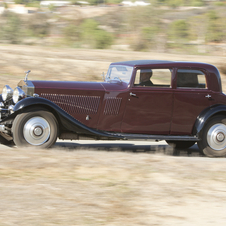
{"x": 119, "y": 72}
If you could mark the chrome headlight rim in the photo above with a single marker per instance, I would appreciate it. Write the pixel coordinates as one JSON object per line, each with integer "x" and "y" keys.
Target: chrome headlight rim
{"x": 18, "y": 94}
{"x": 7, "y": 93}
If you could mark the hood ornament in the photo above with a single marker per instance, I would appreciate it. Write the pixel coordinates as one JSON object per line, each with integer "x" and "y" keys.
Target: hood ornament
{"x": 27, "y": 73}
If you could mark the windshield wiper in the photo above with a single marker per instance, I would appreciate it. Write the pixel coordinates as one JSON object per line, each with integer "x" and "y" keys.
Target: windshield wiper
{"x": 118, "y": 78}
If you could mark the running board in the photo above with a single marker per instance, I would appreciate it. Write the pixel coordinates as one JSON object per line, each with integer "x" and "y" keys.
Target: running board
{"x": 128, "y": 136}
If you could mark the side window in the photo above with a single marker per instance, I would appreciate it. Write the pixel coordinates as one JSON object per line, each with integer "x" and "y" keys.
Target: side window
{"x": 153, "y": 77}
{"x": 191, "y": 78}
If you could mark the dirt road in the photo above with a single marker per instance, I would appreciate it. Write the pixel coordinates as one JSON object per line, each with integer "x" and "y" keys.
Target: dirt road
{"x": 74, "y": 184}
{"x": 103, "y": 184}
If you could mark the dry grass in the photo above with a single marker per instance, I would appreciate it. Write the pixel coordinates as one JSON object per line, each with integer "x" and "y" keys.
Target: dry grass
{"x": 80, "y": 187}
{"x": 75, "y": 64}
{"x": 68, "y": 187}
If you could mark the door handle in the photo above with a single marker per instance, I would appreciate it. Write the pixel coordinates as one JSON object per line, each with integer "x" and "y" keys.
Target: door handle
{"x": 132, "y": 94}
{"x": 208, "y": 96}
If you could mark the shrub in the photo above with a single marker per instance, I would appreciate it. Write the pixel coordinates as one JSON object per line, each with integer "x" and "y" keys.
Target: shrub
{"x": 94, "y": 36}
{"x": 38, "y": 26}
{"x": 103, "y": 39}
{"x": 71, "y": 33}
{"x": 179, "y": 30}
{"x": 11, "y": 27}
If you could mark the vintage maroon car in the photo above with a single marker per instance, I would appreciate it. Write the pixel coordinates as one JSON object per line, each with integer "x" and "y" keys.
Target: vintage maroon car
{"x": 180, "y": 102}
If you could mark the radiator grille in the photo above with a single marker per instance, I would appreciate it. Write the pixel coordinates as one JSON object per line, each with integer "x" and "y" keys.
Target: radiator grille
{"x": 74, "y": 104}
{"x": 112, "y": 106}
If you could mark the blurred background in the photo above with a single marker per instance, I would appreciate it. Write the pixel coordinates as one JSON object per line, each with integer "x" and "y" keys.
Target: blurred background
{"x": 77, "y": 40}
{"x": 173, "y": 26}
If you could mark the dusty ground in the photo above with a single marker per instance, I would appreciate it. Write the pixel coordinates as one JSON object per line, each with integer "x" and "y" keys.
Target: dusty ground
{"x": 82, "y": 186}
{"x": 71, "y": 186}
{"x": 74, "y": 64}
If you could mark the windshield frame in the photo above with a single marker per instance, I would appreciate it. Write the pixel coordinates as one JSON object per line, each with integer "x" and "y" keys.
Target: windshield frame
{"x": 111, "y": 78}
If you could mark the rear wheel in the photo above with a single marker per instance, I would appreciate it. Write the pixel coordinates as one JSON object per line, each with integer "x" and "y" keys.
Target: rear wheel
{"x": 38, "y": 128}
{"x": 213, "y": 138}
{"x": 180, "y": 144}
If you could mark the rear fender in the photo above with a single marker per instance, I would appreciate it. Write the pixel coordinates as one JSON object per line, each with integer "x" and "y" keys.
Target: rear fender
{"x": 205, "y": 116}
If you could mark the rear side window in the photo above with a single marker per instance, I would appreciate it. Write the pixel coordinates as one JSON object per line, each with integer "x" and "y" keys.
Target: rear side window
{"x": 191, "y": 78}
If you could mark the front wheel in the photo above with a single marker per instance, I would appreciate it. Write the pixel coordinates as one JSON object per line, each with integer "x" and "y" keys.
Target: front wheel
{"x": 213, "y": 138}
{"x": 38, "y": 128}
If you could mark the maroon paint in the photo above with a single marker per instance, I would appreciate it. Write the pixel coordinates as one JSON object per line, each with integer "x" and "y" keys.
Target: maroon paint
{"x": 152, "y": 111}
{"x": 188, "y": 104}
{"x": 148, "y": 112}
{"x": 83, "y": 89}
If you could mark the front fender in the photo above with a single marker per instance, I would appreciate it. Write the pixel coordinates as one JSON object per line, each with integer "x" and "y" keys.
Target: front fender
{"x": 66, "y": 121}
{"x": 35, "y": 101}
{"x": 205, "y": 116}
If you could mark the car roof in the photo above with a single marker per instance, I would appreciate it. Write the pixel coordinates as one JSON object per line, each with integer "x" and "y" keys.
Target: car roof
{"x": 141, "y": 63}
{"x": 212, "y": 70}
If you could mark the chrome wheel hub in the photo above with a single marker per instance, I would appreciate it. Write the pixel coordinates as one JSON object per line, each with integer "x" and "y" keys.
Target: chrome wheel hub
{"x": 216, "y": 137}
{"x": 220, "y": 137}
{"x": 36, "y": 131}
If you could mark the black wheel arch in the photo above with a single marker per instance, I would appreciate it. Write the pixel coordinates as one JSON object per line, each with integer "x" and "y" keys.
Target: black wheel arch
{"x": 63, "y": 118}
{"x": 31, "y": 103}
{"x": 205, "y": 116}
{"x": 66, "y": 122}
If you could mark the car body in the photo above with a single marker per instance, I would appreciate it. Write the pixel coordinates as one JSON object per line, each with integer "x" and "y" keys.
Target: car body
{"x": 183, "y": 104}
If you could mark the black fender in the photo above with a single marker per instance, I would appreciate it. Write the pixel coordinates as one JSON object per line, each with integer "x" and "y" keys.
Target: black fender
{"x": 67, "y": 122}
{"x": 205, "y": 116}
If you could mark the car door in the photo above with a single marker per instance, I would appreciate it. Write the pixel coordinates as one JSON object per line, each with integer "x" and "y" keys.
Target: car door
{"x": 149, "y": 107}
{"x": 191, "y": 97}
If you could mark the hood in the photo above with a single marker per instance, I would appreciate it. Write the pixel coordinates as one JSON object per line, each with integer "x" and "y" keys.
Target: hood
{"x": 70, "y": 87}
{"x": 59, "y": 88}
{"x": 66, "y": 85}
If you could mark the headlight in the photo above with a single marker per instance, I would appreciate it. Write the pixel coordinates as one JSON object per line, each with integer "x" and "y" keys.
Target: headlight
{"x": 7, "y": 93}
{"x": 18, "y": 94}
